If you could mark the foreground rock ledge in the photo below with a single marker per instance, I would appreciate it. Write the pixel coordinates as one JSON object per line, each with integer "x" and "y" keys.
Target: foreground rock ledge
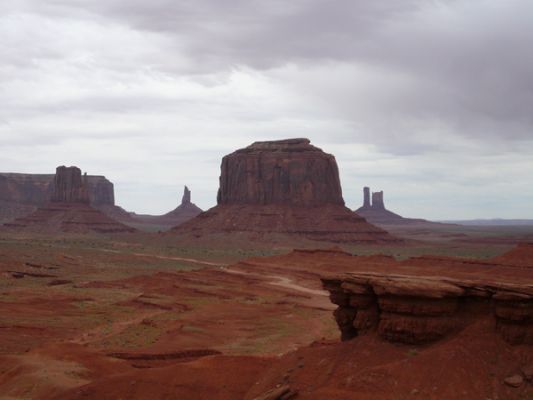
{"x": 416, "y": 306}
{"x": 416, "y": 310}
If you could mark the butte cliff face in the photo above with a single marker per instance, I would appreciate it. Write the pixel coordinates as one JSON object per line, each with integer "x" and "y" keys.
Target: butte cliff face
{"x": 69, "y": 209}
{"x": 289, "y": 172}
{"x": 285, "y": 186}
{"x": 70, "y": 186}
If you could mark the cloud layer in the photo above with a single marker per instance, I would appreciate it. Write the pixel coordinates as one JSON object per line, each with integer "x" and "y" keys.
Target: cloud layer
{"x": 430, "y": 101}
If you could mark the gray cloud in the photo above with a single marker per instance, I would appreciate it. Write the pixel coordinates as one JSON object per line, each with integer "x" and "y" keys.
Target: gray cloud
{"x": 419, "y": 91}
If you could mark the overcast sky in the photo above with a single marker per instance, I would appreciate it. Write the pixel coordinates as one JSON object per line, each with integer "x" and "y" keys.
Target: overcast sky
{"x": 430, "y": 101}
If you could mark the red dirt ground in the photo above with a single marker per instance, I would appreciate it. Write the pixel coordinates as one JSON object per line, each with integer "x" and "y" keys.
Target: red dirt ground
{"x": 83, "y": 318}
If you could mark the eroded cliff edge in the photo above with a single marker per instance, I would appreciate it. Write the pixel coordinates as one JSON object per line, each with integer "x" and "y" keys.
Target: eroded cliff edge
{"x": 413, "y": 303}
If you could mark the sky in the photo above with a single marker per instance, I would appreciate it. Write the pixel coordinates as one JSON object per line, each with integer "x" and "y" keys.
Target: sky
{"x": 430, "y": 101}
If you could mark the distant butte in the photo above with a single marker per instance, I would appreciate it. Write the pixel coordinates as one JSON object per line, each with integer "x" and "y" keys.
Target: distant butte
{"x": 22, "y": 194}
{"x": 69, "y": 209}
{"x": 184, "y": 212}
{"x": 376, "y": 213}
{"x": 285, "y": 186}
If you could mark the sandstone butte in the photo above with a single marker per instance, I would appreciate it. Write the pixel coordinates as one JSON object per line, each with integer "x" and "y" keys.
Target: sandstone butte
{"x": 288, "y": 187}
{"x": 22, "y": 194}
{"x": 69, "y": 209}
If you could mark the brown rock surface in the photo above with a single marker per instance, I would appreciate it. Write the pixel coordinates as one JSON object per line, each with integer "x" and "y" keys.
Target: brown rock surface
{"x": 288, "y": 187}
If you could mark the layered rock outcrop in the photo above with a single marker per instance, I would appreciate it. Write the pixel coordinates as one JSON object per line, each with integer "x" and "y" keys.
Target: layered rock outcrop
{"x": 416, "y": 304}
{"x": 285, "y": 186}
{"x": 69, "y": 209}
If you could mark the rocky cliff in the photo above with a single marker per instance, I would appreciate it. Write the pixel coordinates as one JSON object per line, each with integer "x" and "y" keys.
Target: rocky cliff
{"x": 427, "y": 299}
{"x": 285, "y": 186}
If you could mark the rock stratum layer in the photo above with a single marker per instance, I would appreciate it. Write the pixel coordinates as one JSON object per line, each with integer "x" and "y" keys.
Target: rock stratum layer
{"x": 426, "y": 299}
{"x": 288, "y": 187}
{"x": 69, "y": 209}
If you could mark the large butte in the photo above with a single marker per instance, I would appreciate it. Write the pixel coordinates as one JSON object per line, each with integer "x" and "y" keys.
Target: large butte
{"x": 287, "y": 187}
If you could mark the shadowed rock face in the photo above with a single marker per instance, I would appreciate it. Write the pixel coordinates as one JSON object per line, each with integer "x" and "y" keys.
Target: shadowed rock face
{"x": 291, "y": 172}
{"x": 70, "y": 186}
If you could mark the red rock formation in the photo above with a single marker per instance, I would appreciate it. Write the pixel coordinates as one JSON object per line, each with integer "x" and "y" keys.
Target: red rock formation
{"x": 415, "y": 302}
{"x": 22, "y": 194}
{"x": 69, "y": 209}
{"x": 288, "y": 187}
{"x": 69, "y": 186}
{"x": 289, "y": 172}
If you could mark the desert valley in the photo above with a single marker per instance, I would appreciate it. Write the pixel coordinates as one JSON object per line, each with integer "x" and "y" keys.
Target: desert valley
{"x": 266, "y": 200}
{"x": 278, "y": 292}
